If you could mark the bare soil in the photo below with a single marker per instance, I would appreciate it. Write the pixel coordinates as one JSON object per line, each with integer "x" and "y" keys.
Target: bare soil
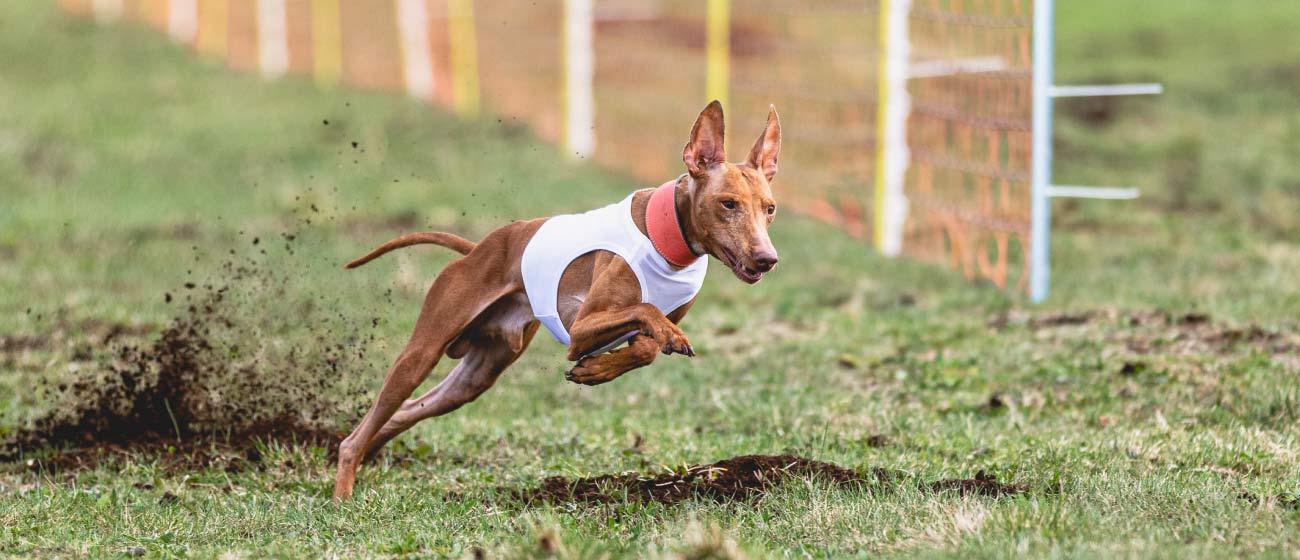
{"x": 744, "y": 479}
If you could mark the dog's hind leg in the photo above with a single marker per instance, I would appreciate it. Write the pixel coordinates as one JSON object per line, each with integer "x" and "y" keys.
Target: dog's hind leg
{"x": 476, "y": 372}
{"x": 456, "y": 298}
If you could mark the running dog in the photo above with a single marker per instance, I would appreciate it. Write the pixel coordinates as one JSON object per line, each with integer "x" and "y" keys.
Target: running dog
{"x": 623, "y": 274}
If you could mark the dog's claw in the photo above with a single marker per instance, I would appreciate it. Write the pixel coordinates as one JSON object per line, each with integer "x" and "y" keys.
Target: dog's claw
{"x": 683, "y": 348}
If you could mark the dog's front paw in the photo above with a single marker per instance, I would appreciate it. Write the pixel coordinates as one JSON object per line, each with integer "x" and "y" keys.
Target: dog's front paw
{"x": 584, "y": 373}
{"x": 670, "y": 338}
{"x": 675, "y": 342}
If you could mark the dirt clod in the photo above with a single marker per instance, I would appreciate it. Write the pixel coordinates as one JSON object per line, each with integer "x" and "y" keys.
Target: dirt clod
{"x": 996, "y": 402}
{"x": 1131, "y": 368}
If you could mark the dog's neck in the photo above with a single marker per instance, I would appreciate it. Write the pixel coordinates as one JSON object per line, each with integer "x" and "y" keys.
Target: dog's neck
{"x": 667, "y": 218}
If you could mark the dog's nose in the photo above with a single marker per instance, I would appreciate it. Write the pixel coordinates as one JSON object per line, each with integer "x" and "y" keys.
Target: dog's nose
{"x": 765, "y": 260}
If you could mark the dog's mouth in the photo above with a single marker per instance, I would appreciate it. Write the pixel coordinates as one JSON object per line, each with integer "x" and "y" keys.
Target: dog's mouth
{"x": 745, "y": 273}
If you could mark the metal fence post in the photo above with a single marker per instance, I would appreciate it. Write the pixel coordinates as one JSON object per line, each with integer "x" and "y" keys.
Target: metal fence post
{"x": 1042, "y": 190}
{"x": 1041, "y": 171}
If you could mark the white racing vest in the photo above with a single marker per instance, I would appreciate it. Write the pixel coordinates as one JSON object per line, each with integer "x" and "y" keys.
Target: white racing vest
{"x": 561, "y": 239}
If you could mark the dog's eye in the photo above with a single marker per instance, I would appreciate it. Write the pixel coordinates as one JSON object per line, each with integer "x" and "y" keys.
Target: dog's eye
{"x": 729, "y": 204}
{"x": 771, "y": 209}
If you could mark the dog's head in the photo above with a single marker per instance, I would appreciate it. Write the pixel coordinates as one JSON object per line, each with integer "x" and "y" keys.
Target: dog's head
{"x": 732, "y": 204}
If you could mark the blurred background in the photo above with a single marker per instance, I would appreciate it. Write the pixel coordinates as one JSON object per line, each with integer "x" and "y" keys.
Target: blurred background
{"x": 603, "y": 80}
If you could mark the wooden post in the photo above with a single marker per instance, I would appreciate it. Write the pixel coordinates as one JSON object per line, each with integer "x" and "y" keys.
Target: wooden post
{"x": 718, "y": 52}
{"x": 326, "y": 42}
{"x": 464, "y": 57}
{"x": 214, "y": 27}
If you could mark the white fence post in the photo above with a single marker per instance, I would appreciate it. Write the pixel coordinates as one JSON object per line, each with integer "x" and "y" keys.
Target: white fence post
{"x": 272, "y": 38}
{"x": 183, "y": 20}
{"x": 107, "y": 11}
{"x": 417, "y": 61}
{"x": 579, "y": 71}
{"x": 1041, "y": 173}
{"x": 894, "y": 106}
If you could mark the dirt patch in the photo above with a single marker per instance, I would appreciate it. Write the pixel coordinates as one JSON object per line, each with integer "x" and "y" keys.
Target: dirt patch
{"x": 95, "y": 331}
{"x": 211, "y": 386}
{"x": 17, "y": 343}
{"x": 744, "y": 479}
{"x": 1061, "y": 320}
{"x": 1096, "y": 112}
{"x": 182, "y": 231}
{"x": 1199, "y": 333}
{"x": 393, "y": 224}
{"x": 983, "y": 484}
{"x": 1008, "y": 318}
{"x": 1285, "y": 501}
{"x": 878, "y": 441}
{"x": 232, "y": 452}
{"x": 1147, "y": 332}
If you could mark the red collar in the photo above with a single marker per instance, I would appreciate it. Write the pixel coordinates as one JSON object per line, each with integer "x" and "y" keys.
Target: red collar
{"x": 664, "y": 227}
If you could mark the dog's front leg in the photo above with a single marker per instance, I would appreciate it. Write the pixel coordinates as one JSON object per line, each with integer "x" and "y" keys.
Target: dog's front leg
{"x": 603, "y": 368}
{"x": 599, "y": 328}
{"x": 611, "y": 311}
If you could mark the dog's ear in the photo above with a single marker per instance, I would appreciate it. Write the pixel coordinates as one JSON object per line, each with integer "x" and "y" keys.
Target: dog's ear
{"x": 705, "y": 146}
{"x": 763, "y": 156}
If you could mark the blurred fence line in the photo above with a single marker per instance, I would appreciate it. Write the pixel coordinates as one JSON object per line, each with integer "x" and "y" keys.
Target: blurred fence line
{"x": 907, "y": 122}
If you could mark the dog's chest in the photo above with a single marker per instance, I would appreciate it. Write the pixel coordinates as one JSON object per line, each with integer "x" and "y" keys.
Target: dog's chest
{"x": 563, "y": 239}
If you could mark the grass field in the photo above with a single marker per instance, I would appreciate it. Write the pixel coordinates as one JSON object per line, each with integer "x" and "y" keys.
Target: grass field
{"x": 1149, "y": 409}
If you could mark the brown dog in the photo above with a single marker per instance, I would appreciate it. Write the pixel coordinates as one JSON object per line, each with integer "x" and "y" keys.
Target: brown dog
{"x": 478, "y": 309}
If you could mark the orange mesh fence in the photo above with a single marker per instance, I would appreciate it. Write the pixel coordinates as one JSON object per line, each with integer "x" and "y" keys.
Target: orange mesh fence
{"x": 817, "y": 61}
{"x": 655, "y": 63}
{"x": 969, "y": 137}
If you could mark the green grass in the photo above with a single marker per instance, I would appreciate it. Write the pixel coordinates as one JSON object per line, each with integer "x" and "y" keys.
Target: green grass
{"x": 128, "y": 168}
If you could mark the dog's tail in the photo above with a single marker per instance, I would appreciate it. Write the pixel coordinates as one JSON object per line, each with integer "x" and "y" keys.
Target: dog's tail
{"x": 448, "y": 240}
